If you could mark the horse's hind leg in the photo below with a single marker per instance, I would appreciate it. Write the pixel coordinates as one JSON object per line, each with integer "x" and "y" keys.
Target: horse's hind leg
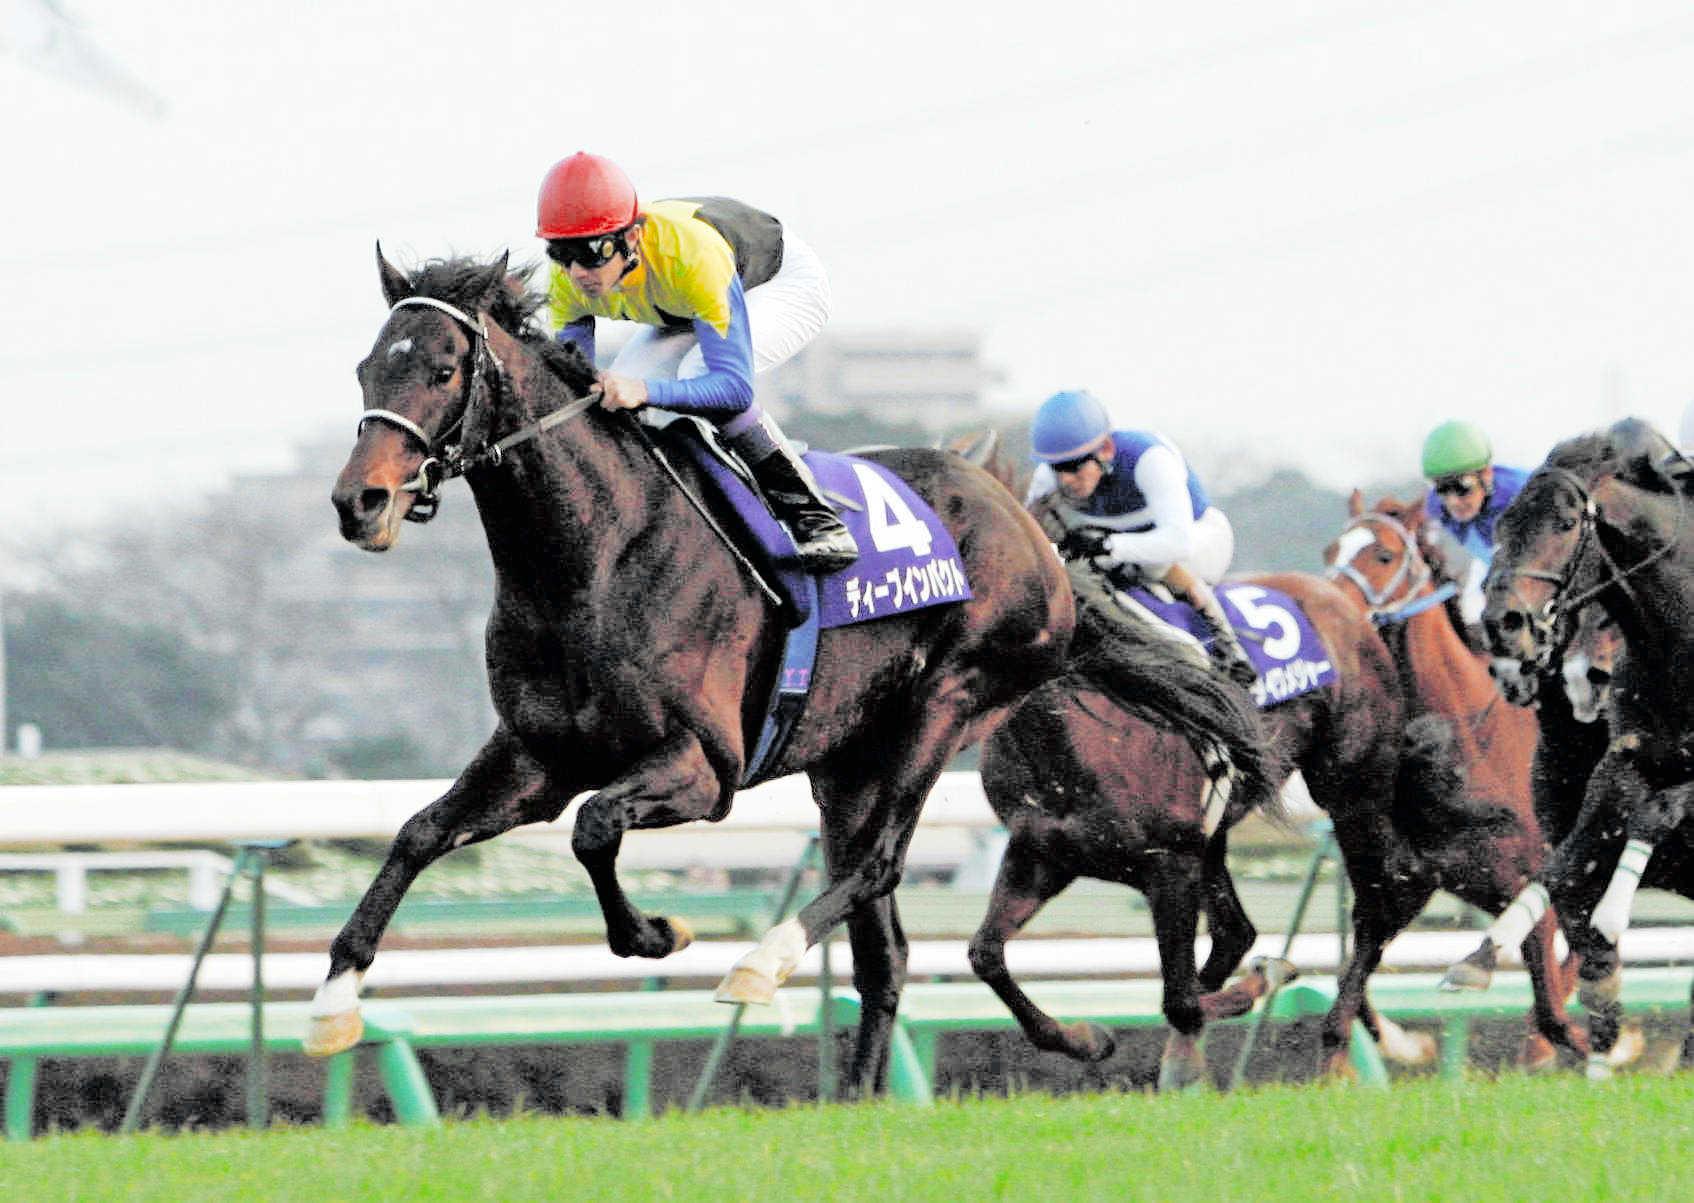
{"x": 499, "y": 790}
{"x": 877, "y": 803}
{"x": 1025, "y": 882}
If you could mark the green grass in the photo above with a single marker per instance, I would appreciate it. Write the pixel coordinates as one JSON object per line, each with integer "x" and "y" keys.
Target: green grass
{"x": 1516, "y": 1138}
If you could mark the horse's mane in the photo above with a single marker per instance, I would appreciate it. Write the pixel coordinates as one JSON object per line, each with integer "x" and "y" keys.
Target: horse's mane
{"x": 504, "y": 293}
{"x": 1631, "y": 449}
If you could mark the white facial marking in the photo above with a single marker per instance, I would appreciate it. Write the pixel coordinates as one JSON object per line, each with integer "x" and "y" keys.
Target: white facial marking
{"x": 399, "y": 348}
{"x": 1351, "y": 543}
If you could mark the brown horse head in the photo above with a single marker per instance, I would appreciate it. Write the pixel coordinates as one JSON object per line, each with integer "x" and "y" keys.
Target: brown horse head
{"x": 1376, "y": 560}
{"x": 429, "y": 359}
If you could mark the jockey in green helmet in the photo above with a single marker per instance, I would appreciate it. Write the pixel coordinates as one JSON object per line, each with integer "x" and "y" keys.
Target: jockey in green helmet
{"x": 1468, "y": 493}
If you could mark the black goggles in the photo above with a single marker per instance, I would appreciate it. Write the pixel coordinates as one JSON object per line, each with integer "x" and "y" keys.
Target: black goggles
{"x": 586, "y": 252}
{"x": 1067, "y": 466}
{"x": 1458, "y": 486}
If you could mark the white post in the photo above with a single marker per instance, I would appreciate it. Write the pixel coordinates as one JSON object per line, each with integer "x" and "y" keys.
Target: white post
{"x": 3, "y": 727}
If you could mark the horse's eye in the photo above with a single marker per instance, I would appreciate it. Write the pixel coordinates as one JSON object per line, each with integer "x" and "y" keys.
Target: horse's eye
{"x": 1384, "y": 556}
{"x": 1567, "y": 524}
{"x": 443, "y": 375}
{"x": 1511, "y": 622}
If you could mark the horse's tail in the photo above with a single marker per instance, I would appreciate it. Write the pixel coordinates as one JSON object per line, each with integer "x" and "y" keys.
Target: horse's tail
{"x": 1167, "y": 690}
{"x": 1432, "y": 798}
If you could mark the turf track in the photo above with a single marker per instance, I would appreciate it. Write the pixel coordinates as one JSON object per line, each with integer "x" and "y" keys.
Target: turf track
{"x": 1515, "y": 1138}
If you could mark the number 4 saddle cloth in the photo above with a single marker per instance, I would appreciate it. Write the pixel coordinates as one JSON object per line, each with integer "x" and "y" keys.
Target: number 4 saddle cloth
{"x": 907, "y": 558}
{"x": 1279, "y": 639}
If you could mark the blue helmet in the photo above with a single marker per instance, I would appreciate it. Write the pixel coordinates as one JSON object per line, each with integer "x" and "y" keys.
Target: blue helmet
{"x": 1068, "y": 425}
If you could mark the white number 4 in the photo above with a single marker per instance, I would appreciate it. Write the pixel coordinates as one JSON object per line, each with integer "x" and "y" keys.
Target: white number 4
{"x": 892, "y": 523}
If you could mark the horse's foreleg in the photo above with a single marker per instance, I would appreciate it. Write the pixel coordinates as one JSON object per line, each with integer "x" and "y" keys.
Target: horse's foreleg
{"x": 499, "y": 790}
{"x": 1231, "y": 930}
{"x": 1173, "y": 897}
{"x": 674, "y": 784}
{"x": 1550, "y": 1024}
{"x": 1025, "y": 882}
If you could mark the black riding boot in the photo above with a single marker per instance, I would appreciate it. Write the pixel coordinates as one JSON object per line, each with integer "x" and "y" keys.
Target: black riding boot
{"x": 825, "y": 545}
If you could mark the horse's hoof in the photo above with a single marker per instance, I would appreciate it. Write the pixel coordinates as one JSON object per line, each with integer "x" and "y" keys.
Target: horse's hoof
{"x": 1598, "y": 1070}
{"x": 1338, "y": 1068}
{"x": 1599, "y": 995}
{"x": 1277, "y": 972}
{"x": 746, "y": 986}
{"x": 1086, "y": 1041}
{"x": 1468, "y": 974}
{"x": 1537, "y": 1054}
{"x": 327, "y": 1035}
{"x": 1631, "y": 1044}
{"x": 1405, "y": 1046}
{"x": 682, "y": 935}
{"x": 1180, "y": 1073}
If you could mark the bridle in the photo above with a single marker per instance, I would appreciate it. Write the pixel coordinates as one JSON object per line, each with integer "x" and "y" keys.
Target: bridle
{"x": 444, "y": 459}
{"x": 1409, "y": 576}
{"x": 1544, "y": 622}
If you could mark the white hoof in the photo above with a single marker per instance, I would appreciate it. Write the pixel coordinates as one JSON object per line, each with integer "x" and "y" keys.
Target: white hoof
{"x": 336, "y": 1024}
{"x": 1632, "y": 1042}
{"x": 755, "y": 977}
{"x": 1404, "y": 1047}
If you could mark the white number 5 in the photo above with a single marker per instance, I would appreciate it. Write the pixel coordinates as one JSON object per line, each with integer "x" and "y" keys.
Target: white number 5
{"x": 1262, "y": 616}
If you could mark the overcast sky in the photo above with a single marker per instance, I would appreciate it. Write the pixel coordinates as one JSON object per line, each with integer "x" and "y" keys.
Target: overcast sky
{"x": 1292, "y": 232}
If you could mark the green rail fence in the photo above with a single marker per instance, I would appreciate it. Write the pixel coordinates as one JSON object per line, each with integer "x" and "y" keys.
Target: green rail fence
{"x": 397, "y": 1028}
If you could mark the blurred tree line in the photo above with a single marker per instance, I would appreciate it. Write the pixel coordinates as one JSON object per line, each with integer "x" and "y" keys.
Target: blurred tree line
{"x": 242, "y": 627}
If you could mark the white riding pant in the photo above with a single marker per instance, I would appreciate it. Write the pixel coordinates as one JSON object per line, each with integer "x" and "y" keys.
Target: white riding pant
{"x": 783, "y": 314}
{"x": 1214, "y": 548}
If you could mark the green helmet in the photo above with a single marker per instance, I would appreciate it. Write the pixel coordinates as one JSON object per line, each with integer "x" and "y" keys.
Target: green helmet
{"x": 1455, "y": 447}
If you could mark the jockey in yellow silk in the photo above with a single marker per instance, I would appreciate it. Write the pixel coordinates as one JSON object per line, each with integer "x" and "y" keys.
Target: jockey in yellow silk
{"x": 722, "y": 292}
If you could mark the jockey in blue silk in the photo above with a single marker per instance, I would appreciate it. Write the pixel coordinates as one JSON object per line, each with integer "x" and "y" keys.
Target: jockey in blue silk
{"x": 1468, "y": 493}
{"x": 1124, "y": 507}
{"x": 722, "y": 291}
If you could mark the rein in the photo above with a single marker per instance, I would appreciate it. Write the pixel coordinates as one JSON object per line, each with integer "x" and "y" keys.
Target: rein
{"x": 1545, "y": 621}
{"x": 443, "y": 460}
{"x": 452, "y": 460}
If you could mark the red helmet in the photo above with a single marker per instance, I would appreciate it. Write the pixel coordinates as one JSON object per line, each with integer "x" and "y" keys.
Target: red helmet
{"x": 585, "y": 195}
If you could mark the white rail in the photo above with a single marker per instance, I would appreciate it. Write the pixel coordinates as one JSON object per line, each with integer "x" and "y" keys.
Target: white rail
{"x": 768, "y": 824}
{"x": 711, "y": 959}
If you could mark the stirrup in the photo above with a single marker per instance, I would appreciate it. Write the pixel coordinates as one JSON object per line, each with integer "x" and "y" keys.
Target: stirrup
{"x": 828, "y": 551}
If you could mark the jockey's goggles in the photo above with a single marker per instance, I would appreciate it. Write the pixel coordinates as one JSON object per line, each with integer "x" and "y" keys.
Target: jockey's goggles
{"x": 1067, "y": 466}
{"x": 586, "y": 252}
{"x": 1458, "y": 486}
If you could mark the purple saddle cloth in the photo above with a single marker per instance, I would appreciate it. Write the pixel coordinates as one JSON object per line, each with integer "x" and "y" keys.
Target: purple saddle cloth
{"x": 907, "y": 558}
{"x": 1278, "y": 637}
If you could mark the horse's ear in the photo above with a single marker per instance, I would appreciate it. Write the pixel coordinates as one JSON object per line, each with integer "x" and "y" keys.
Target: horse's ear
{"x": 1413, "y": 515}
{"x": 497, "y": 281}
{"x": 1356, "y": 504}
{"x": 395, "y": 286}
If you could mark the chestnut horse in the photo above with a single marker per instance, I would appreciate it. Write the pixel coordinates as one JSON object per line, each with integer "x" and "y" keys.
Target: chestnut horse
{"x": 1484, "y": 841}
{"x": 629, "y": 652}
{"x": 1607, "y": 519}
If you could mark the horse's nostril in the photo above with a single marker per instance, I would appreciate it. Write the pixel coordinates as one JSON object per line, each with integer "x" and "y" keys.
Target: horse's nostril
{"x": 371, "y": 501}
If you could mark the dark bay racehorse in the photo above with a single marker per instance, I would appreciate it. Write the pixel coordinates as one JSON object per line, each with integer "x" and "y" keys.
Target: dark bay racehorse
{"x": 1086, "y": 788}
{"x": 1606, "y": 519}
{"x": 629, "y": 652}
{"x": 1484, "y": 836}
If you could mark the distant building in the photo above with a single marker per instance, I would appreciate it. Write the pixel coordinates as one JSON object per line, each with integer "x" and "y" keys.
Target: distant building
{"x": 933, "y": 377}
